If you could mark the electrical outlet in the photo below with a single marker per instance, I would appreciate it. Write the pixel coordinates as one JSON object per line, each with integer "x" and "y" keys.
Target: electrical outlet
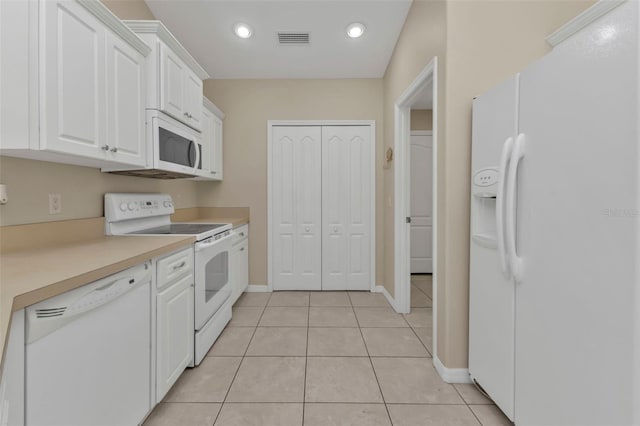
{"x": 55, "y": 203}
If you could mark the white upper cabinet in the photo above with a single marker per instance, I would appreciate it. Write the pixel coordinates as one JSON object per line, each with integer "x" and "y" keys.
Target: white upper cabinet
{"x": 173, "y": 76}
{"x": 211, "y": 141}
{"x": 125, "y": 102}
{"x": 73, "y": 110}
{"x": 85, "y": 84}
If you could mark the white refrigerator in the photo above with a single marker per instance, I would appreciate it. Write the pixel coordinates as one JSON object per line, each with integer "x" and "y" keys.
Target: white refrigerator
{"x": 555, "y": 232}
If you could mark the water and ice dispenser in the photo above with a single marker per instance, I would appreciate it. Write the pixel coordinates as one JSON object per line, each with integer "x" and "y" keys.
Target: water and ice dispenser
{"x": 484, "y": 189}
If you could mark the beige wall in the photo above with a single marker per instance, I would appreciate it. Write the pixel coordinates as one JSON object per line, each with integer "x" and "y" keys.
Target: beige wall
{"x": 29, "y": 182}
{"x": 248, "y": 104}
{"x": 486, "y": 42}
{"x": 82, "y": 188}
{"x": 129, "y": 9}
{"x": 421, "y": 119}
{"x": 422, "y": 38}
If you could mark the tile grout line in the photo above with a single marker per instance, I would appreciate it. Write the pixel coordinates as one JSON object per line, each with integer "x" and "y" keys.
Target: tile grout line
{"x": 306, "y": 364}
{"x": 371, "y": 363}
{"x": 241, "y": 361}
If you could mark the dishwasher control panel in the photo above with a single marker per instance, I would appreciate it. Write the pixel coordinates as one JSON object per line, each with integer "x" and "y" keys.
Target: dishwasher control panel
{"x": 47, "y": 316}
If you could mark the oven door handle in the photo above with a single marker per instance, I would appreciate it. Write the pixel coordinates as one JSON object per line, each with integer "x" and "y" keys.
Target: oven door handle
{"x": 208, "y": 244}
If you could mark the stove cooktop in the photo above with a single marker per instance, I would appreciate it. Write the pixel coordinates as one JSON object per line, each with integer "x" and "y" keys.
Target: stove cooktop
{"x": 181, "y": 229}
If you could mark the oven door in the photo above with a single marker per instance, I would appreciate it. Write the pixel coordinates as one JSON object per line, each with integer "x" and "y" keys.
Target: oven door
{"x": 176, "y": 147}
{"x": 213, "y": 286}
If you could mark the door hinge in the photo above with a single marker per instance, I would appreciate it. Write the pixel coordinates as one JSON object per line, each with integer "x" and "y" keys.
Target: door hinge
{"x": 408, "y": 219}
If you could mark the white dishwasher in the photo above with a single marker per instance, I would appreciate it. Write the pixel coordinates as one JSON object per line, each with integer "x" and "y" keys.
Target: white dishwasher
{"x": 88, "y": 353}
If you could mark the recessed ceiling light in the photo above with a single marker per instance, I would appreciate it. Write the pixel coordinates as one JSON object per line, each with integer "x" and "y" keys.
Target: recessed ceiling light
{"x": 355, "y": 30}
{"x": 242, "y": 30}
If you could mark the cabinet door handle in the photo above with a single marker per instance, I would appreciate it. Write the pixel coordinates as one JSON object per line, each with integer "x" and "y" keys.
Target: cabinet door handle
{"x": 176, "y": 267}
{"x": 242, "y": 249}
{"x": 114, "y": 149}
{"x": 186, "y": 114}
{"x": 105, "y": 147}
{"x": 307, "y": 229}
{"x": 242, "y": 234}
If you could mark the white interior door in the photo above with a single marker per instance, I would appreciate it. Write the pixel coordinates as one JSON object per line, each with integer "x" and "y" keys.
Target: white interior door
{"x": 296, "y": 207}
{"x": 346, "y": 207}
{"x": 421, "y": 202}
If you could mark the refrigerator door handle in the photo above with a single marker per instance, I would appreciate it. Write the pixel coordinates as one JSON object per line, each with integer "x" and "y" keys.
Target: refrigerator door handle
{"x": 515, "y": 262}
{"x": 507, "y": 148}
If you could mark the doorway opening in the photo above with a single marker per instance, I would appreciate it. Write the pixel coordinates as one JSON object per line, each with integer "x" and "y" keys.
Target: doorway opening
{"x": 415, "y": 173}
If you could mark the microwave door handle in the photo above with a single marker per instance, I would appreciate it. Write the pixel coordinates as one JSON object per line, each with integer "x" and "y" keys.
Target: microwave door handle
{"x": 191, "y": 145}
{"x": 197, "y": 148}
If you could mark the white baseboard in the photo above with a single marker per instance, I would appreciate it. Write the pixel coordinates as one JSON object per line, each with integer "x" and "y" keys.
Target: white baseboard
{"x": 255, "y": 288}
{"x": 451, "y": 375}
{"x": 383, "y": 290}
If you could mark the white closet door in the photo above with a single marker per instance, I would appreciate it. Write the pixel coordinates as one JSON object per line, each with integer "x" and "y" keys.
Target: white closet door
{"x": 296, "y": 207}
{"x": 346, "y": 207}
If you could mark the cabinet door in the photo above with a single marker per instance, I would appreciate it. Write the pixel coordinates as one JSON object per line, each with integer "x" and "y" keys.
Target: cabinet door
{"x": 174, "y": 333}
{"x": 243, "y": 267}
{"x": 234, "y": 272}
{"x": 216, "y": 151}
{"x": 172, "y": 95}
{"x": 125, "y": 103}
{"x": 207, "y": 142}
{"x": 73, "y": 94}
{"x": 193, "y": 100}
{"x": 15, "y": 55}
{"x": 346, "y": 207}
{"x": 296, "y": 245}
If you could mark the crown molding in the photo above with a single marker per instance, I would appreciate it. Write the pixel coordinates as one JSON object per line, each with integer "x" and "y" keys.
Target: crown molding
{"x": 107, "y": 17}
{"x": 158, "y": 28}
{"x": 213, "y": 108}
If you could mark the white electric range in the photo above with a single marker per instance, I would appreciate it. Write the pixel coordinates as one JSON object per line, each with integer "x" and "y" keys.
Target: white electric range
{"x": 150, "y": 214}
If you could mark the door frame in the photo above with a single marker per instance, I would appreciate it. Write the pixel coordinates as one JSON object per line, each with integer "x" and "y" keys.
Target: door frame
{"x": 372, "y": 128}
{"x": 402, "y": 185}
{"x": 421, "y": 133}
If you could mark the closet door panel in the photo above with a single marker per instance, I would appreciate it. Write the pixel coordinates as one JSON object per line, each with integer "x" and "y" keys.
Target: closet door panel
{"x": 346, "y": 213}
{"x": 334, "y": 193}
{"x": 296, "y": 208}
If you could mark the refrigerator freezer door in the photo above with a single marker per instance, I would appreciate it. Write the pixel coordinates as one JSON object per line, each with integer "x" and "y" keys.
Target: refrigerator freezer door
{"x": 577, "y": 230}
{"x": 491, "y": 297}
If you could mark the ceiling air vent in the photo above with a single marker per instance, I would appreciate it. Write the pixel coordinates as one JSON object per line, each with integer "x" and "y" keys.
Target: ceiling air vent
{"x": 293, "y": 38}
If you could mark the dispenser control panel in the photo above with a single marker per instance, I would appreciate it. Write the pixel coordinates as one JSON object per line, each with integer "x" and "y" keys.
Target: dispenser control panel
{"x": 486, "y": 177}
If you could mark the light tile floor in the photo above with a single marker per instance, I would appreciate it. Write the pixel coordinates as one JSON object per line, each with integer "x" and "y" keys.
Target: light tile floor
{"x": 325, "y": 358}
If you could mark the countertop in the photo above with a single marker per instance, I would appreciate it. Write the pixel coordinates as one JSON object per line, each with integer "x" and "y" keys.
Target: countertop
{"x": 32, "y": 275}
{"x": 40, "y": 261}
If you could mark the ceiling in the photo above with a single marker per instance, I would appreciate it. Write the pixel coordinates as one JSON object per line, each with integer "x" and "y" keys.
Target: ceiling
{"x": 205, "y": 28}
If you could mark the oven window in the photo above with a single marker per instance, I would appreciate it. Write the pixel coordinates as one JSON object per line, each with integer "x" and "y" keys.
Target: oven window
{"x": 216, "y": 274}
{"x": 175, "y": 148}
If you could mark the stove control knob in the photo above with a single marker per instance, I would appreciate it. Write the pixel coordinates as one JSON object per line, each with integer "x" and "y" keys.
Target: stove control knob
{"x": 167, "y": 204}
{"x": 132, "y": 205}
{"x": 123, "y": 207}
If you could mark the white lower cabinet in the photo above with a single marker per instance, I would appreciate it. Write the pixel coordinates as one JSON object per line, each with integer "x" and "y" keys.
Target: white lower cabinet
{"x": 174, "y": 333}
{"x": 240, "y": 263}
{"x": 174, "y": 319}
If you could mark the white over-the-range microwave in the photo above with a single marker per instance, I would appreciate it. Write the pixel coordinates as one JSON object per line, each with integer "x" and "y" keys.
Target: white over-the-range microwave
{"x": 175, "y": 149}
